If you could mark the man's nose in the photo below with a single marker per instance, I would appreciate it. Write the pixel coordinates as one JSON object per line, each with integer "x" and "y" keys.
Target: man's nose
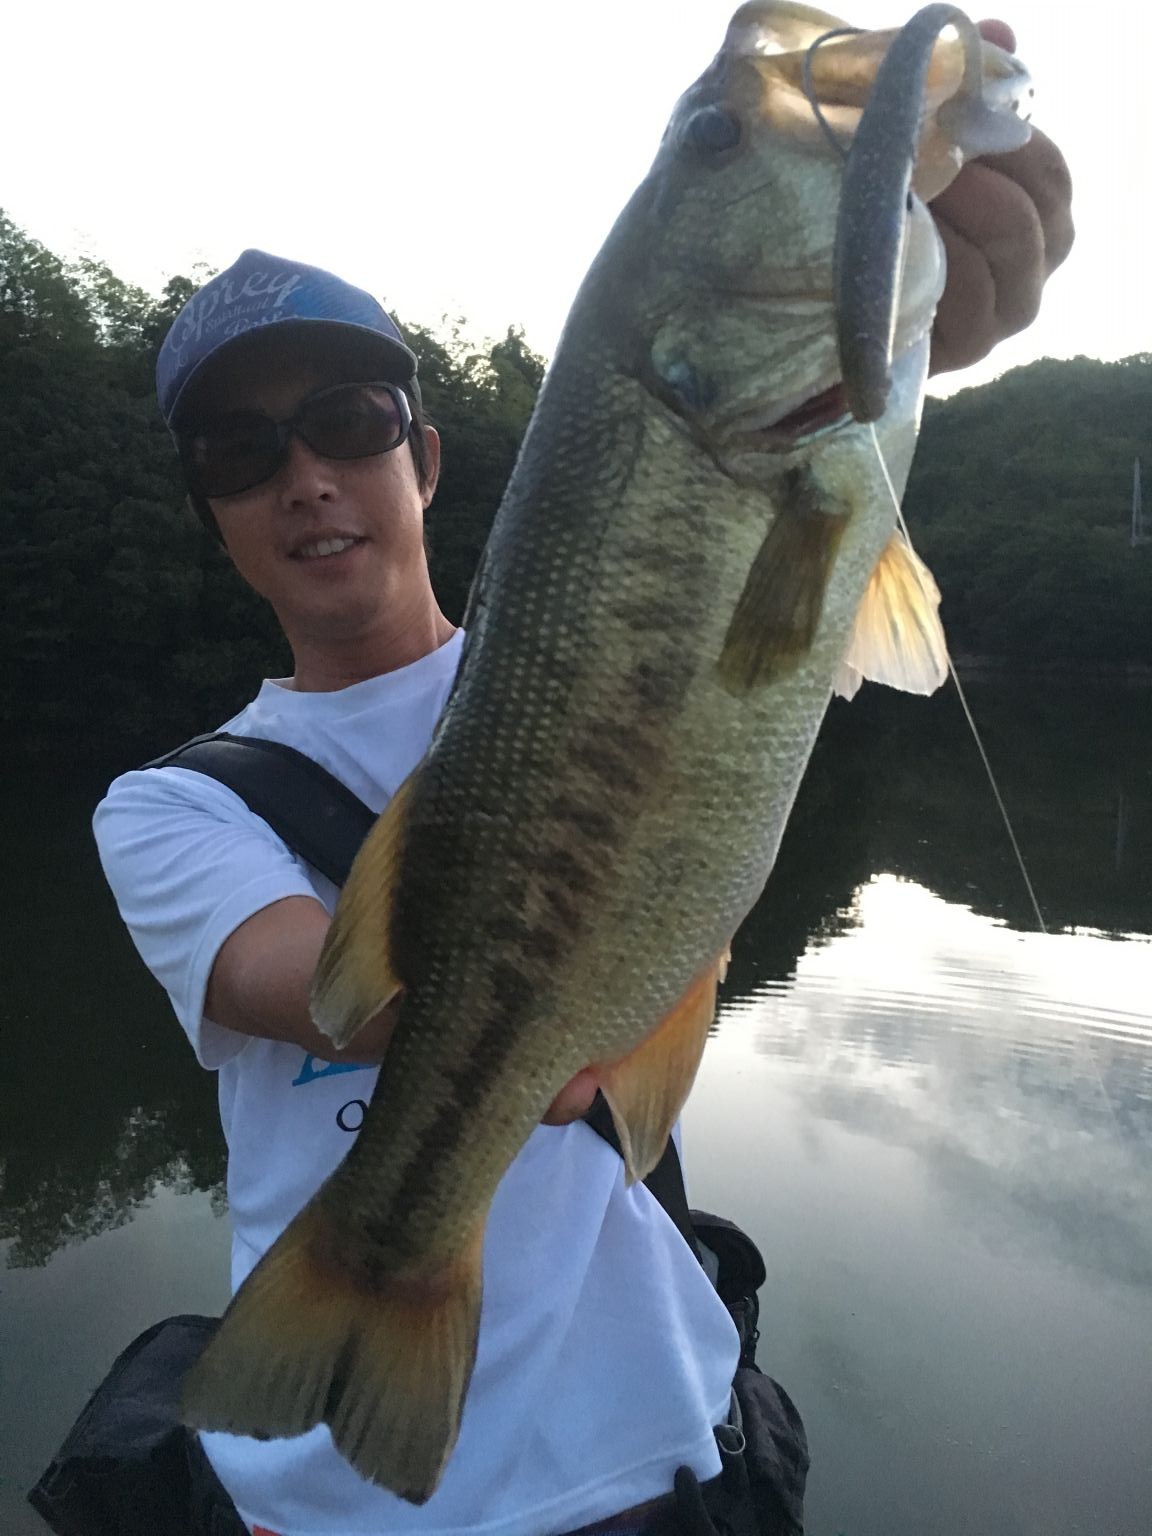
{"x": 305, "y": 476}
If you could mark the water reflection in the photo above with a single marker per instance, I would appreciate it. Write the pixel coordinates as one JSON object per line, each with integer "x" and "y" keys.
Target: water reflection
{"x": 935, "y": 1120}
{"x": 101, "y": 1100}
{"x": 896, "y": 785}
{"x": 61, "y": 1325}
{"x": 1018, "y": 1065}
{"x": 938, "y": 1130}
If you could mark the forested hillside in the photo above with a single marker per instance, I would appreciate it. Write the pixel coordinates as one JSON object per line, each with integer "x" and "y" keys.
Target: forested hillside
{"x": 122, "y": 629}
{"x": 1020, "y": 500}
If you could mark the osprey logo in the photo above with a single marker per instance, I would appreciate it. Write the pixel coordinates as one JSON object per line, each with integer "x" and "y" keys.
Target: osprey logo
{"x": 350, "y": 1116}
{"x": 234, "y": 305}
{"x": 315, "y": 1068}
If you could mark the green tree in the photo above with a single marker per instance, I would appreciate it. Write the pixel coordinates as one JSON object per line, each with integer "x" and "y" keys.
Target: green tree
{"x": 122, "y": 623}
{"x": 123, "y": 626}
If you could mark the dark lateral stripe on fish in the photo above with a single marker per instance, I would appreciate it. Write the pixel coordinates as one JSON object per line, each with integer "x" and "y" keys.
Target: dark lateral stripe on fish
{"x": 592, "y": 821}
{"x": 493, "y": 1045}
{"x": 537, "y": 941}
{"x": 662, "y": 560}
{"x": 587, "y": 829}
{"x": 654, "y": 689}
{"x": 649, "y": 615}
{"x": 576, "y": 878}
{"x": 609, "y": 765}
{"x": 514, "y": 991}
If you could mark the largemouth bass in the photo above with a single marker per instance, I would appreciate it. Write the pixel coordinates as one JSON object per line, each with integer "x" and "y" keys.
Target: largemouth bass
{"x": 696, "y": 544}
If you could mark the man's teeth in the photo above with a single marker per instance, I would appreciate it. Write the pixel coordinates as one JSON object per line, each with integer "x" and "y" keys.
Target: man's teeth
{"x": 323, "y": 547}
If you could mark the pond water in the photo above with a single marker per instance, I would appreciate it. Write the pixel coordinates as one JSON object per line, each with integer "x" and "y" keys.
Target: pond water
{"x": 935, "y": 1120}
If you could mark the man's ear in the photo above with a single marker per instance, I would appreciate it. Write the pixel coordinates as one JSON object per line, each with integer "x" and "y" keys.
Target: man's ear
{"x": 432, "y": 439}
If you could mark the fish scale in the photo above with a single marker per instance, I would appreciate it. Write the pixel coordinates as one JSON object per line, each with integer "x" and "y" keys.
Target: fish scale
{"x": 696, "y": 545}
{"x": 646, "y": 934}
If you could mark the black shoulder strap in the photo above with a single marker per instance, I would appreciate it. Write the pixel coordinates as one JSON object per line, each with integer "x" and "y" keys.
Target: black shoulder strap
{"x": 324, "y": 822}
{"x": 666, "y": 1181}
{"x": 317, "y": 816}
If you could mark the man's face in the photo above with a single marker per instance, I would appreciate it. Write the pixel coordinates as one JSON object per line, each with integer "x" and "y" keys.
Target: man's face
{"x": 335, "y": 545}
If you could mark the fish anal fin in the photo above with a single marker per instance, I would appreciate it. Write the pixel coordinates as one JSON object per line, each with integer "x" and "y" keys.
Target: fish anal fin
{"x": 646, "y": 1089}
{"x": 898, "y": 638}
{"x": 356, "y": 975}
{"x": 775, "y": 619}
{"x": 383, "y": 1359}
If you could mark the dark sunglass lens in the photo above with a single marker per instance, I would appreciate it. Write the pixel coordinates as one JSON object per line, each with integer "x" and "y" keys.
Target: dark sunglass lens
{"x": 232, "y": 454}
{"x": 352, "y": 422}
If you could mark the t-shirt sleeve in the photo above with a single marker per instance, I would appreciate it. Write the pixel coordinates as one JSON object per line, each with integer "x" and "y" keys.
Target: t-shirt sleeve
{"x": 188, "y": 862}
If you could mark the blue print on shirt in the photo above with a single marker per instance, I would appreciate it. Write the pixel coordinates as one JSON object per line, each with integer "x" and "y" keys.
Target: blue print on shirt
{"x": 315, "y": 1068}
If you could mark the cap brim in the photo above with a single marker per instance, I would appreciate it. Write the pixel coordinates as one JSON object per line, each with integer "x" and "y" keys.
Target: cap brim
{"x": 399, "y": 362}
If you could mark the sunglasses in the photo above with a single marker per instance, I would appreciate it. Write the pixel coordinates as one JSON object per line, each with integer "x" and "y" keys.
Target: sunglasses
{"x": 233, "y": 453}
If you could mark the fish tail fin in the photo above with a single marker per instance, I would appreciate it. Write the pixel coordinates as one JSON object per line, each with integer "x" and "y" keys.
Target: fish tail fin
{"x": 383, "y": 1359}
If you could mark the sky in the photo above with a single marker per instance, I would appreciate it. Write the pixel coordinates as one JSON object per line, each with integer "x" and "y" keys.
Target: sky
{"x": 467, "y": 159}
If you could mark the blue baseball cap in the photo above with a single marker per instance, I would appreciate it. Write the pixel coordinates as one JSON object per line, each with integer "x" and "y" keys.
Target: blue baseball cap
{"x": 258, "y": 290}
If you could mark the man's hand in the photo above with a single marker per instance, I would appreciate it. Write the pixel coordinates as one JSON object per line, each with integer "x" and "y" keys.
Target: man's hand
{"x": 1006, "y": 223}
{"x": 574, "y": 1100}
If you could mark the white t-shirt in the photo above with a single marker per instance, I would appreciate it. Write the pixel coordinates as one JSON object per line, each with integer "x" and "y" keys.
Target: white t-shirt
{"x": 605, "y": 1356}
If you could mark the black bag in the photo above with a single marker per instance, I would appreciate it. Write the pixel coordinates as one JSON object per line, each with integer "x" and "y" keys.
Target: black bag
{"x": 765, "y": 1459}
{"x": 130, "y": 1468}
{"x": 775, "y": 1451}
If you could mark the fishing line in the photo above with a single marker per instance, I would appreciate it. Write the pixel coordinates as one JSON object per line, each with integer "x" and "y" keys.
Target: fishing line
{"x": 903, "y": 526}
{"x": 1080, "y": 1036}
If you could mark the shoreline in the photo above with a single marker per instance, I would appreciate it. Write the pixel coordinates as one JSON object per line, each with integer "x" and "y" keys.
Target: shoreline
{"x": 1134, "y": 674}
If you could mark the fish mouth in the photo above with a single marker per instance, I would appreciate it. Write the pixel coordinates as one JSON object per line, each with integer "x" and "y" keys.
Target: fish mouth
{"x": 792, "y": 423}
{"x": 818, "y": 414}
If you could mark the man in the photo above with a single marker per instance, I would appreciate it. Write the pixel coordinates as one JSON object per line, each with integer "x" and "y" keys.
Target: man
{"x": 605, "y": 1357}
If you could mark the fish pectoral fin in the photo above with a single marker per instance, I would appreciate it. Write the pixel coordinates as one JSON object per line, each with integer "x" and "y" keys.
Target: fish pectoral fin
{"x": 356, "y": 976}
{"x": 646, "y": 1089}
{"x": 846, "y": 683}
{"x": 384, "y": 1361}
{"x": 898, "y": 638}
{"x": 778, "y": 612}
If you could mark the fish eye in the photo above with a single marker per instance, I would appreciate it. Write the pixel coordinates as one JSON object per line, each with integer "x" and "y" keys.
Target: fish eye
{"x": 712, "y": 130}
{"x": 692, "y": 390}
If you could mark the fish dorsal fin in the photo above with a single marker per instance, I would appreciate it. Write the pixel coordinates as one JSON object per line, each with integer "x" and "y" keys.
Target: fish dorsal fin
{"x": 356, "y": 975}
{"x": 898, "y": 638}
{"x": 647, "y": 1088}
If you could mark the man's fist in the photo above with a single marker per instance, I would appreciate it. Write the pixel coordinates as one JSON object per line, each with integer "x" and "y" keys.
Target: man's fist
{"x": 1006, "y": 223}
